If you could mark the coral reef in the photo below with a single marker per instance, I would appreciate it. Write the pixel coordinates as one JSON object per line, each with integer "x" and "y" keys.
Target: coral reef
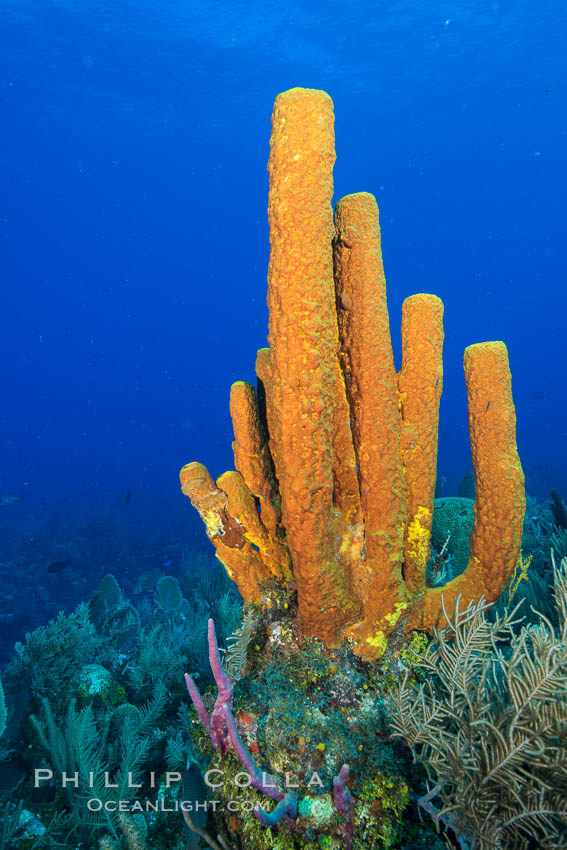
{"x": 490, "y": 724}
{"x": 558, "y": 509}
{"x": 299, "y": 708}
{"x": 99, "y": 692}
{"x": 336, "y": 454}
{"x": 330, "y": 529}
{"x": 306, "y": 727}
{"x": 88, "y": 544}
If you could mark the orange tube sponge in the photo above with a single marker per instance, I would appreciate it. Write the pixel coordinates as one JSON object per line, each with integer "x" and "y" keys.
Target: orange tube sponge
{"x": 420, "y": 383}
{"x": 255, "y": 479}
{"x": 336, "y": 454}
{"x": 240, "y": 559}
{"x": 368, "y": 365}
{"x": 500, "y": 500}
{"x": 251, "y": 454}
{"x": 267, "y": 391}
{"x": 303, "y": 351}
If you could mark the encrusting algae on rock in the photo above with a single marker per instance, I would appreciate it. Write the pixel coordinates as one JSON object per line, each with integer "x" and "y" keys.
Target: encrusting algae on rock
{"x": 336, "y": 452}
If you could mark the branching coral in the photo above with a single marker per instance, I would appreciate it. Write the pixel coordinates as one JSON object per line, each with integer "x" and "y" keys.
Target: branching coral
{"x": 490, "y": 724}
{"x": 222, "y": 729}
{"x": 79, "y": 749}
{"x": 53, "y": 655}
{"x": 336, "y": 454}
{"x": 223, "y": 732}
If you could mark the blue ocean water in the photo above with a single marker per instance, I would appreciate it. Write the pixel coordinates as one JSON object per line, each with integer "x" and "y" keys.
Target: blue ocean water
{"x": 134, "y": 234}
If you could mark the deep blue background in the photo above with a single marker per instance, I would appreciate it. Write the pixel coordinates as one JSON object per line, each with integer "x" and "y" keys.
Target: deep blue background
{"x": 133, "y": 225}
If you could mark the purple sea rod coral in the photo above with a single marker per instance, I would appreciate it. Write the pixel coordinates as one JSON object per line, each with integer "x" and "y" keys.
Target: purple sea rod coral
{"x": 221, "y": 728}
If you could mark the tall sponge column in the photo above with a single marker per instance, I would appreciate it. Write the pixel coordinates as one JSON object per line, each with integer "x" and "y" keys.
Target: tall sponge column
{"x": 500, "y": 501}
{"x": 222, "y": 506}
{"x": 303, "y": 357}
{"x": 335, "y": 452}
{"x": 420, "y": 382}
{"x": 370, "y": 378}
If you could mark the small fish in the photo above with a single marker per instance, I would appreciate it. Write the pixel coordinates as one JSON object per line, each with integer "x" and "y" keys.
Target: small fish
{"x": 167, "y": 563}
{"x": 9, "y": 499}
{"x": 57, "y": 566}
{"x": 128, "y": 497}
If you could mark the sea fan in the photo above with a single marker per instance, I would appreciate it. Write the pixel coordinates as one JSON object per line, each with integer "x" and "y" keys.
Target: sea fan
{"x": 490, "y": 725}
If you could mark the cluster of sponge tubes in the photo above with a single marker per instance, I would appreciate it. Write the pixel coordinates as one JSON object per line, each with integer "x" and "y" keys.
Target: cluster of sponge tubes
{"x": 336, "y": 452}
